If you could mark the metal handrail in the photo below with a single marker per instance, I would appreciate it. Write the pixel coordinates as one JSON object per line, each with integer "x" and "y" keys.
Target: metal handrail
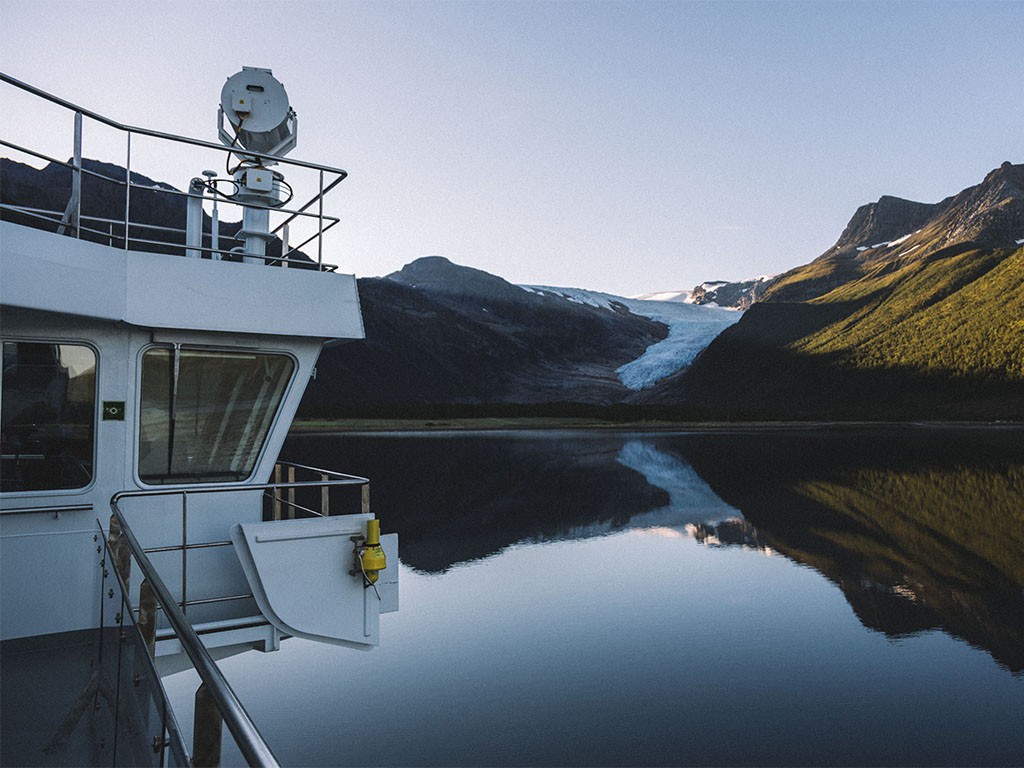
{"x": 343, "y": 479}
{"x": 53, "y": 510}
{"x": 250, "y": 741}
{"x": 54, "y": 217}
{"x": 247, "y": 736}
{"x": 167, "y": 190}
{"x": 320, "y": 471}
{"x": 295, "y": 213}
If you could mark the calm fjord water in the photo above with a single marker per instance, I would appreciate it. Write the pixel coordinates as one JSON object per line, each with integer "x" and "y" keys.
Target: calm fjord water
{"x": 581, "y": 598}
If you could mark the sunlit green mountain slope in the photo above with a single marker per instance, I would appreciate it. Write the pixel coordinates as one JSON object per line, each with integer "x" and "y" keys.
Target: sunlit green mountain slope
{"x": 958, "y": 312}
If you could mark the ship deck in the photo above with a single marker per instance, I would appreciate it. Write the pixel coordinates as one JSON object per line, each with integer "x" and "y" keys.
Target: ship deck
{"x": 61, "y": 695}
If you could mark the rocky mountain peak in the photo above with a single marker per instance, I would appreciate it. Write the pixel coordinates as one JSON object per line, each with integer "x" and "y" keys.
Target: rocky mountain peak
{"x": 990, "y": 214}
{"x": 885, "y": 220}
{"x": 439, "y": 275}
{"x": 1007, "y": 174}
{"x": 733, "y": 295}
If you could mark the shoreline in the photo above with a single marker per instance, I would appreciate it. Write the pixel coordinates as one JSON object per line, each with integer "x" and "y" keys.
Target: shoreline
{"x": 543, "y": 423}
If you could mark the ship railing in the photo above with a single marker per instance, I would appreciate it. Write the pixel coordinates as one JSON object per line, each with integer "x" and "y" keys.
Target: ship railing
{"x": 309, "y": 216}
{"x": 285, "y": 474}
{"x": 54, "y": 218}
{"x": 286, "y": 502}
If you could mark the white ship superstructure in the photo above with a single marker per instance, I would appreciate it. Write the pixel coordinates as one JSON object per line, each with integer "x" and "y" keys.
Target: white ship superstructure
{"x": 150, "y": 375}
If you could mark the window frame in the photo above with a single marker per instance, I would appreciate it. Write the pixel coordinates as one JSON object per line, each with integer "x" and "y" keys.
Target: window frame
{"x": 226, "y": 349}
{"x": 96, "y": 406}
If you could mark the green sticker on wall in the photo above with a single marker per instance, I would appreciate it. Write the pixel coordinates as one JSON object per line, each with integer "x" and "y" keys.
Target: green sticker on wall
{"x": 113, "y": 410}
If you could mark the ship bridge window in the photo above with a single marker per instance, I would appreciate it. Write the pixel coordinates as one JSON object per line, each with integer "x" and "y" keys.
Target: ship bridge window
{"x": 205, "y": 415}
{"x": 47, "y": 416}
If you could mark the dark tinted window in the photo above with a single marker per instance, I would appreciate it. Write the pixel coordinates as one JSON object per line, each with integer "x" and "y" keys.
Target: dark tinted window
{"x": 47, "y": 415}
{"x": 206, "y": 414}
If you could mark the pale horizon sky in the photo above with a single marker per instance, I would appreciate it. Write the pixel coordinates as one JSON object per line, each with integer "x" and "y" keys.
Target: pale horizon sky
{"x": 625, "y": 147}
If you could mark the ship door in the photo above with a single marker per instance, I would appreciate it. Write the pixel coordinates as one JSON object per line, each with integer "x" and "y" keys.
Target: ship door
{"x": 309, "y": 577}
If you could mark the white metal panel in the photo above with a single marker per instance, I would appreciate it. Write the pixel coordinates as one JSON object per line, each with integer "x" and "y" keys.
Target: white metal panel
{"x": 299, "y": 572}
{"x": 172, "y": 292}
{"x": 49, "y": 582}
{"x": 45, "y": 271}
{"x": 42, "y": 270}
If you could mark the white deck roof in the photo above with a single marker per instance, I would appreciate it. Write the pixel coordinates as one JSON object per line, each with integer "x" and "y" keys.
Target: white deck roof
{"x": 50, "y": 272}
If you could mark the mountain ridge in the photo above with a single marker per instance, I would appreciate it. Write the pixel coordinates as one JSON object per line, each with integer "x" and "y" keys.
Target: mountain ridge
{"x": 929, "y": 325}
{"x": 988, "y": 215}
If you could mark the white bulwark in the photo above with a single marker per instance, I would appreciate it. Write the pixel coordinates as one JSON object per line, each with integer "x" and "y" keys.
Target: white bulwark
{"x": 54, "y": 273}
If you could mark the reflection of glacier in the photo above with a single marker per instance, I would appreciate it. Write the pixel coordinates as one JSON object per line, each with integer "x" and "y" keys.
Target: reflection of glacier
{"x": 693, "y": 508}
{"x": 690, "y": 499}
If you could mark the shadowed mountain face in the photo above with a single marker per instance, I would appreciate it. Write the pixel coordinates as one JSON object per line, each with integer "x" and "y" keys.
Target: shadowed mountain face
{"x": 103, "y": 196}
{"x": 437, "y": 332}
{"x": 928, "y": 323}
{"x": 887, "y": 220}
{"x": 457, "y": 285}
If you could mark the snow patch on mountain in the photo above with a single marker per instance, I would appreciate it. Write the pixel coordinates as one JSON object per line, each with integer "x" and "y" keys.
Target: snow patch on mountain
{"x": 899, "y": 240}
{"x": 690, "y": 329}
{"x": 577, "y": 295}
{"x": 682, "y": 297}
{"x": 888, "y": 243}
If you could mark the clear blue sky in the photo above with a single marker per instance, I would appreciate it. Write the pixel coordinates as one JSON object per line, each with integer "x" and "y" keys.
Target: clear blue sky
{"x": 619, "y": 146}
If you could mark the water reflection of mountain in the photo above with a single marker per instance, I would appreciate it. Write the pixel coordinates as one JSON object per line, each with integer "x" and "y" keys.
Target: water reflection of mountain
{"x": 456, "y": 498}
{"x": 920, "y": 529}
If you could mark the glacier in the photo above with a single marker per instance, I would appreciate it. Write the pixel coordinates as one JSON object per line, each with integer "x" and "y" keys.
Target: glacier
{"x": 690, "y": 329}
